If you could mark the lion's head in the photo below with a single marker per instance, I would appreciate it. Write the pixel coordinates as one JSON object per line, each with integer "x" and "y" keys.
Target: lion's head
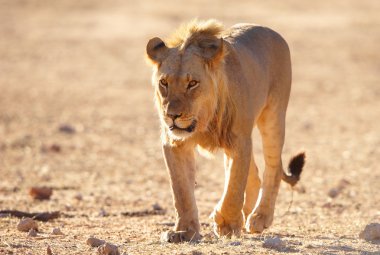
{"x": 186, "y": 77}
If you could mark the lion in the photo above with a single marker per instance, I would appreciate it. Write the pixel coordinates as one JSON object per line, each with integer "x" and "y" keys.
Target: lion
{"x": 212, "y": 87}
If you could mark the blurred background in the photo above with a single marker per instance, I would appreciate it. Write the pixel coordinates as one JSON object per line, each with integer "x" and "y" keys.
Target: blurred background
{"x": 77, "y": 115}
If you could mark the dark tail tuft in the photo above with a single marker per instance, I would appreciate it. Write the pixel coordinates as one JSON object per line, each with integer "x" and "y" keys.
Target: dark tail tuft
{"x": 295, "y": 169}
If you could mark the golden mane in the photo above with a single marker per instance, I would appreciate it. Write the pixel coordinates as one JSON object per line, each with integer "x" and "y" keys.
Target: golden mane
{"x": 219, "y": 130}
{"x": 191, "y": 31}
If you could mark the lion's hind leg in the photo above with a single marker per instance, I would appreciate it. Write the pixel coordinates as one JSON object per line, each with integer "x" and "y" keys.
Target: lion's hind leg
{"x": 272, "y": 128}
{"x": 252, "y": 189}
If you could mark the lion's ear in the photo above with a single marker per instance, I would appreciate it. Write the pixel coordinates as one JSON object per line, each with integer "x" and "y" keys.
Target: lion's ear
{"x": 156, "y": 50}
{"x": 212, "y": 50}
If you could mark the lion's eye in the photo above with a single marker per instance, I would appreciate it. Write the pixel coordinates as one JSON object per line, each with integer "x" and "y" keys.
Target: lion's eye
{"x": 163, "y": 83}
{"x": 192, "y": 84}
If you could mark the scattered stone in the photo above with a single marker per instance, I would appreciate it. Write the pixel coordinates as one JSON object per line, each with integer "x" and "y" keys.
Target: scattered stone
{"x": 56, "y": 231}
{"x": 48, "y": 251}
{"x": 108, "y": 249}
{"x": 274, "y": 243}
{"x": 171, "y": 236}
{"x": 157, "y": 207}
{"x": 32, "y": 233}
{"x": 67, "y": 128}
{"x": 95, "y": 242}
{"x": 78, "y": 197}
{"x": 371, "y": 232}
{"x": 41, "y": 193}
{"x": 55, "y": 148}
{"x": 27, "y": 224}
{"x": 334, "y": 192}
{"x": 103, "y": 213}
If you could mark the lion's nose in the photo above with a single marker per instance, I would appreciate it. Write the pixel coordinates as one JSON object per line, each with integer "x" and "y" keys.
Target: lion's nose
{"x": 173, "y": 109}
{"x": 174, "y": 116}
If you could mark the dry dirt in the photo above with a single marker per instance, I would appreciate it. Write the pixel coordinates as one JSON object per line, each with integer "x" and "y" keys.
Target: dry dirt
{"x": 81, "y": 63}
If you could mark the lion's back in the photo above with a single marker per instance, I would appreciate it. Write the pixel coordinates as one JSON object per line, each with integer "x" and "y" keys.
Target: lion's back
{"x": 257, "y": 39}
{"x": 259, "y": 62}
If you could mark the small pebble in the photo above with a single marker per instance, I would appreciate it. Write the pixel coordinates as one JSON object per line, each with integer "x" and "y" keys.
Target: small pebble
{"x": 32, "y": 233}
{"x": 108, "y": 249}
{"x": 53, "y": 148}
{"x": 56, "y": 231}
{"x": 371, "y": 232}
{"x": 157, "y": 207}
{"x": 78, "y": 197}
{"x": 334, "y": 192}
{"x": 66, "y": 128}
{"x": 274, "y": 243}
{"x": 95, "y": 242}
{"x": 235, "y": 243}
{"x": 102, "y": 213}
{"x": 41, "y": 193}
{"x": 27, "y": 224}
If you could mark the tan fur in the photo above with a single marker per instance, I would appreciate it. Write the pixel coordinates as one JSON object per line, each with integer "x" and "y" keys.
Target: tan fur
{"x": 244, "y": 79}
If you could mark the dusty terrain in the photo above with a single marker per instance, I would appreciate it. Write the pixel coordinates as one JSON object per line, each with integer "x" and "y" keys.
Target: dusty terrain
{"x": 81, "y": 63}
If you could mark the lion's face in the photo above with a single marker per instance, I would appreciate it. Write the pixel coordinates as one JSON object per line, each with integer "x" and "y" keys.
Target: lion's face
{"x": 186, "y": 93}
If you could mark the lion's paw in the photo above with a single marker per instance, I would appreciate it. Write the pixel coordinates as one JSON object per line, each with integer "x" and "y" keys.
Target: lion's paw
{"x": 257, "y": 222}
{"x": 180, "y": 236}
{"x": 227, "y": 227}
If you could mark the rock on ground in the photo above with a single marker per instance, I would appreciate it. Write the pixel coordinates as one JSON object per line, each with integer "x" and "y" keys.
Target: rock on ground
{"x": 371, "y": 232}
{"x": 274, "y": 243}
{"x": 32, "y": 233}
{"x": 27, "y": 224}
{"x": 108, "y": 249}
{"x": 41, "y": 193}
{"x": 56, "y": 231}
{"x": 95, "y": 242}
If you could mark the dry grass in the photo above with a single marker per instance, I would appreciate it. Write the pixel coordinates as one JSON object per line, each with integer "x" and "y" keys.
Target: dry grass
{"x": 81, "y": 63}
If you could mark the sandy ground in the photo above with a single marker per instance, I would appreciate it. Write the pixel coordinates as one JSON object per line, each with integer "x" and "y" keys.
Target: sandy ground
{"x": 81, "y": 63}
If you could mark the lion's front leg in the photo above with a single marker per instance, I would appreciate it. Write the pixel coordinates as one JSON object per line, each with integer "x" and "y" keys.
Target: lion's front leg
{"x": 180, "y": 163}
{"x": 228, "y": 215}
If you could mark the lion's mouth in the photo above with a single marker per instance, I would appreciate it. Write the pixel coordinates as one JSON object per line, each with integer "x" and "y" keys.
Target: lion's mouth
{"x": 188, "y": 129}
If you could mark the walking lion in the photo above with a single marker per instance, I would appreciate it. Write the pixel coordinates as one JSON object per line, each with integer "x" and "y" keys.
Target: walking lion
{"x": 212, "y": 87}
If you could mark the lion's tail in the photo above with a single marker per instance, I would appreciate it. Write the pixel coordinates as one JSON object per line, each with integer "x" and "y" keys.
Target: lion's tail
{"x": 295, "y": 169}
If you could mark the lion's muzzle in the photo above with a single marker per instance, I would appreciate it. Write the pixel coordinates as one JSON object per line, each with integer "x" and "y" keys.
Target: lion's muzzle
{"x": 189, "y": 129}
{"x": 180, "y": 127}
